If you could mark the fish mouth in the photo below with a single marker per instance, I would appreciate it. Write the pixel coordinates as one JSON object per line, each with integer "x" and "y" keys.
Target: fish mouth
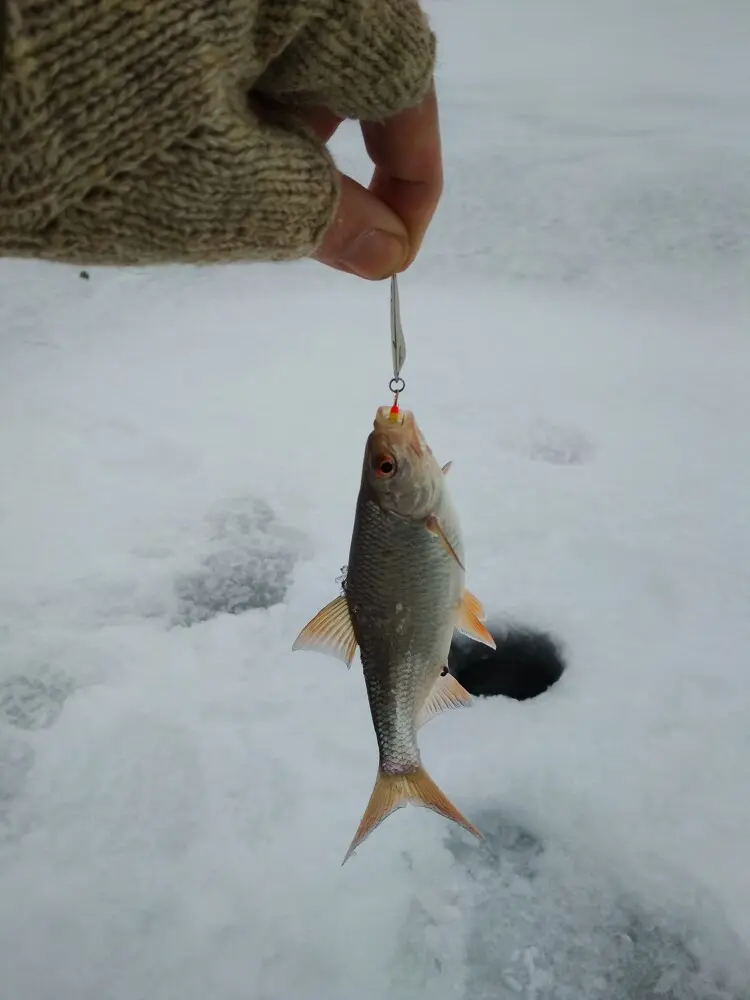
{"x": 385, "y": 417}
{"x": 400, "y": 426}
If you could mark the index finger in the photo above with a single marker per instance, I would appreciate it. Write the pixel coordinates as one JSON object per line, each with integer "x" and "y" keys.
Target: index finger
{"x": 408, "y": 176}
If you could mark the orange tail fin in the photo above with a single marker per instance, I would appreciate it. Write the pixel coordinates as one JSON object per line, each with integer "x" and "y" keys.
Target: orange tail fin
{"x": 392, "y": 791}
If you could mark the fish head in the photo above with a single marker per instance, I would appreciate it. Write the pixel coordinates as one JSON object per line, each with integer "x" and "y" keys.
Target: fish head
{"x": 401, "y": 473}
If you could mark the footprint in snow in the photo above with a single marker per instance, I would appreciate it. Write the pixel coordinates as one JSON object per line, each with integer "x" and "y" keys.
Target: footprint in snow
{"x": 33, "y": 702}
{"x": 249, "y": 564}
{"x": 16, "y": 760}
{"x": 554, "y": 444}
{"x": 545, "y": 924}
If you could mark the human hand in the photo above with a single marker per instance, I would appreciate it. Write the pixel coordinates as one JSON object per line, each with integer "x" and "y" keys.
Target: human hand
{"x": 380, "y": 74}
{"x": 378, "y": 230}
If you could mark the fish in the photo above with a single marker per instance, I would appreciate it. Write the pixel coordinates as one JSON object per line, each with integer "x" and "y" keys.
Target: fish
{"x": 403, "y": 595}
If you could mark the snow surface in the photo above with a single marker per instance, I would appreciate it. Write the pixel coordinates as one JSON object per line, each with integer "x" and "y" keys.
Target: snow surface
{"x": 180, "y": 455}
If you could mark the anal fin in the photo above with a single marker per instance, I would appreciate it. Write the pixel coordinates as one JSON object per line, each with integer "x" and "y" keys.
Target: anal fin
{"x": 331, "y": 632}
{"x": 446, "y": 693}
{"x": 470, "y": 613}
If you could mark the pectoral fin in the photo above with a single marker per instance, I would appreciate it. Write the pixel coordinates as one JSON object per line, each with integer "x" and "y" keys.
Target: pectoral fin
{"x": 446, "y": 467}
{"x": 434, "y": 526}
{"x": 446, "y": 693}
{"x": 331, "y": 632}
{"x": 470, "y": 613}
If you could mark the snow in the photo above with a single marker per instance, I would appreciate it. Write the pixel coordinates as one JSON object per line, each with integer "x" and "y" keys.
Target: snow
{"x": 180, "y": 448}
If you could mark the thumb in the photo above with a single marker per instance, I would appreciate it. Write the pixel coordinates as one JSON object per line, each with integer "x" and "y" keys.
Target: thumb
{"x": 365, "y": 238}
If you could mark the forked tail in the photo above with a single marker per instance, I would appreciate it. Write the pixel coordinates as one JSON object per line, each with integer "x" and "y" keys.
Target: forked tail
{"x": 392, "y": 791}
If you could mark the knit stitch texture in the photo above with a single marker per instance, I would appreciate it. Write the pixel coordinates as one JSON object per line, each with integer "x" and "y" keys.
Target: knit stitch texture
{"x": 128, "y": 133}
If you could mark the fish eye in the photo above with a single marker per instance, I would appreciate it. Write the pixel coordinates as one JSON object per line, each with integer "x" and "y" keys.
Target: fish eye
{"x": 386, "y": 467}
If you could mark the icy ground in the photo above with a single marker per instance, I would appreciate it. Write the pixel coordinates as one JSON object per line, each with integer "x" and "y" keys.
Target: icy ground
{"x": 180, "y": 454}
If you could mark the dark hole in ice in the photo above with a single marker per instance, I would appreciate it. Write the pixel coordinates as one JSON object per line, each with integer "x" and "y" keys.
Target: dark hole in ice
{"x": 525, "y": 664}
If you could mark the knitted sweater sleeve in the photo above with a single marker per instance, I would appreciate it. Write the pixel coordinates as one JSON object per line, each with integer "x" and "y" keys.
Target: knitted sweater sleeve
{"x": 128, "y": 132}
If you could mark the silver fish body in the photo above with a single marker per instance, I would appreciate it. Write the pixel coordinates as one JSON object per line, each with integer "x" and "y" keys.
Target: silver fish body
{"x": 403, "y": 588}
{"x": 403, "y": 597}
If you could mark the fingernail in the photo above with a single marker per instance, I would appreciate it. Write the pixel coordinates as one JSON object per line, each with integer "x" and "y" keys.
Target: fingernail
{"x": 374, "y": 254}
